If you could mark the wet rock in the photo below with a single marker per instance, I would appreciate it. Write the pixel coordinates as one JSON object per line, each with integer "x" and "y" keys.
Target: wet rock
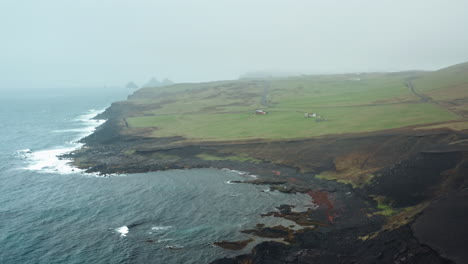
{"x": 285, "y": 209}
{"x": 236, "y": 245}
{"x": 271, "y": 232}
{"x": 261, "y": 182}
{"x": 301, "y": 218}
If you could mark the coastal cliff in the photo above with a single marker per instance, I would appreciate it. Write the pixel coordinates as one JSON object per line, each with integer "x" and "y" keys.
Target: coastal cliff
{"x": 380, "y": 189}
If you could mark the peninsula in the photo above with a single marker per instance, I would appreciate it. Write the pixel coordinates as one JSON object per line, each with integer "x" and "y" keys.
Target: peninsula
{"x": 384, "y": 157}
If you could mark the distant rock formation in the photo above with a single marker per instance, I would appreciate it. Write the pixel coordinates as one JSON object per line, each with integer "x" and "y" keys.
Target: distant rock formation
{"x": 131, "y": 85}
{"x": 166, "y": 82}
{"x": 155, "y": 83}
{"x": 152, "y": 83}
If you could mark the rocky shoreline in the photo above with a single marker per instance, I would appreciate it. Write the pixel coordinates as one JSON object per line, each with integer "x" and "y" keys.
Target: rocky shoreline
{"x": 373, "y": 192}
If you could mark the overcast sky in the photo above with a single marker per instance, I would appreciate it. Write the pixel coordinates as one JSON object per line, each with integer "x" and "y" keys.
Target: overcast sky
{"x": 72, "y": 43}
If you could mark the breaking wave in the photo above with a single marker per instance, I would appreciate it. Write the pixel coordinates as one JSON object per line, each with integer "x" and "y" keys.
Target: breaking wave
{"x": 48, "y": 160}
{"x": 123, "y": 230}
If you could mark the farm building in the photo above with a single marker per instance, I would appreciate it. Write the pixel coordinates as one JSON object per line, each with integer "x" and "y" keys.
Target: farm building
{"x": 260, "y": 112}
{"x": 311, "y": 115}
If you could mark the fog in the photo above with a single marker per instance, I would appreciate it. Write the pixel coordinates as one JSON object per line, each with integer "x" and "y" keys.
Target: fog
{"x": 90, "y": 43}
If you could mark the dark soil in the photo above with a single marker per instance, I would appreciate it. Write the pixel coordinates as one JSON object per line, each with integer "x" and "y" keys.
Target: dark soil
{"x": 442, "y": 226}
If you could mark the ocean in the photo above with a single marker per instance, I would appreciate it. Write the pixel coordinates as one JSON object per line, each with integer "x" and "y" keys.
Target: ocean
{"x": 53, "y": 213}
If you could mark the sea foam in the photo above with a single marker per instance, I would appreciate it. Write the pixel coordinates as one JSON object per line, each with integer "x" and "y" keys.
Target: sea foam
{"x": 48, "y": 160}
{"x": 157, "y": 228}
{"x": 240, "y": 173}
{"x": 123, "y": 230}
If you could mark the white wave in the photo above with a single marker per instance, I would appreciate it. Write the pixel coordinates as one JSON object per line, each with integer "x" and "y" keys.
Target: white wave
{"x": 90, "y": 124}
{"x": 241, "y": 173}
{"x": 48, "y": 161}
{"x": 174, "y": 247}
{"x": 123, "y": 230}
{"x": 230, "y": 182}
{"x": 157, "y": 228}
{"x": 164, "y": 240}
{"x": 89, "y": 115}
{"x": 75, "y": 130}
{"x": 87, "y": 122}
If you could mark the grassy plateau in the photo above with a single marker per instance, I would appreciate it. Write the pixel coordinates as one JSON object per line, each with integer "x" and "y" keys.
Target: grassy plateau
{"x": 346, "y": 103}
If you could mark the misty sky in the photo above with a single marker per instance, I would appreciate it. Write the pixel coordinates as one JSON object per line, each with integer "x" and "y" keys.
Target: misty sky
{"x": 72, "y": 43}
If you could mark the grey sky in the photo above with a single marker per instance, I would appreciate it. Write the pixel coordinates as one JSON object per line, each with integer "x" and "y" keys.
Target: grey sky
{"x": 96, "y": 42}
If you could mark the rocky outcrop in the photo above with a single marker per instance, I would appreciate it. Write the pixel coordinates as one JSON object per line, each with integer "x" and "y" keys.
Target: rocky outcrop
{"x": 235, "y": 245}
{"x": 153, "y": 82}
{"x": 131, "y": 85}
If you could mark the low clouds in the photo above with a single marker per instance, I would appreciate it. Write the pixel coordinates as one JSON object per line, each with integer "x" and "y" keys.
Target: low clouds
{"x": 89, "y": 43}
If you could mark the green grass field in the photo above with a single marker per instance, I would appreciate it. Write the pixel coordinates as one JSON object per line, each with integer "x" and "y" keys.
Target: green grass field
{"x": 349, "y": 103}
{"x": 441, "y": 80}
{"x": 290, "y": 124}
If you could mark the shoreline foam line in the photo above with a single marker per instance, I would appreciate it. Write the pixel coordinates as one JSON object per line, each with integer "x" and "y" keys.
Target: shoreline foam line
{"x": 48, "y": 161}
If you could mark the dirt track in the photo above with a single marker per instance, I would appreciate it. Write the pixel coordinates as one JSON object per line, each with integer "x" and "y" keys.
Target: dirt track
{"x": 426, "y": 99}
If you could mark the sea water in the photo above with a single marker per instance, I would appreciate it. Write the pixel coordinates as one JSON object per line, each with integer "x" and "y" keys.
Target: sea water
{"x": 51, "y": 212}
